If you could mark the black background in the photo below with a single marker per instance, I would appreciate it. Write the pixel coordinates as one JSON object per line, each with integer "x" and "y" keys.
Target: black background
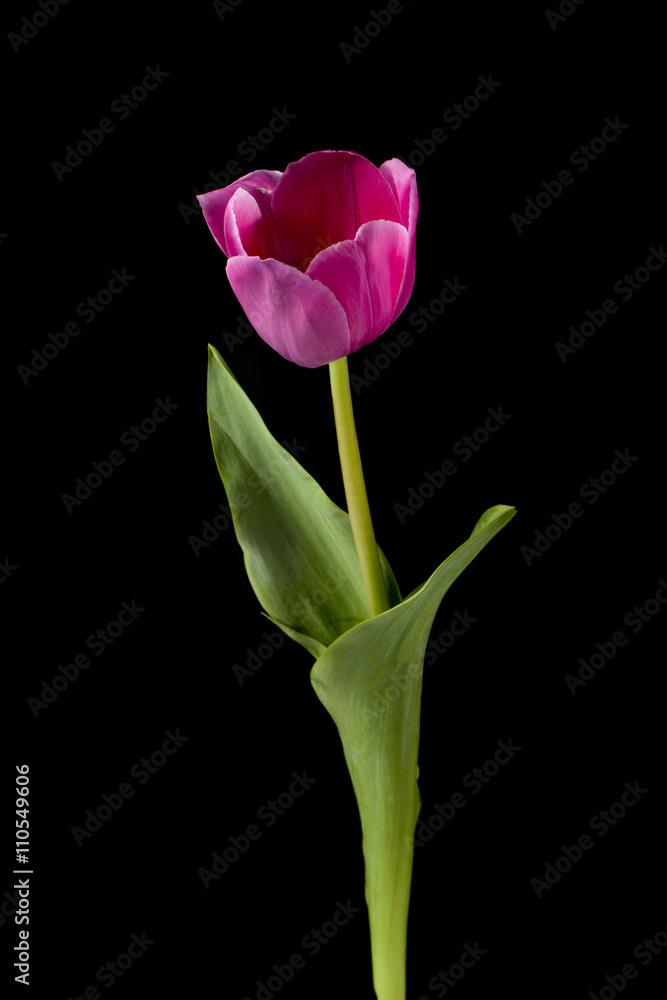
{"x": 125, "y": 206}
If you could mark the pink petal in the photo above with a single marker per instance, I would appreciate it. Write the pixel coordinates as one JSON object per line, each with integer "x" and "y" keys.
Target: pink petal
{"x": 214, "y": 203}
{"x": 342, "y": 269}
{"x": 250, "y": 229}
{"x": 365, "y": 275}
{"x": 297, "y": 316}
{"x": 403, "y": 181}
{"x": 324, "y": 198}
{"x": 385, "y": 246}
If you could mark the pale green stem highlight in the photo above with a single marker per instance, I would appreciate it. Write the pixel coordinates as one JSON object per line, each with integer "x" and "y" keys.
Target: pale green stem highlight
{"x": 355, "y": 490}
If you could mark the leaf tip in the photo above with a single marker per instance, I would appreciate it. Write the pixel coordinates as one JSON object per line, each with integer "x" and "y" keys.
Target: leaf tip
{"x": 493, "y": 514}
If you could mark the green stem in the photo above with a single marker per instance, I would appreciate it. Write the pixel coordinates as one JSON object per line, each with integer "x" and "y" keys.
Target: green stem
{"x": 355, "y": 490}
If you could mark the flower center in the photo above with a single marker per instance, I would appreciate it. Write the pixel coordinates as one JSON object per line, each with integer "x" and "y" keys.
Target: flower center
{"x": 321, "y": 243}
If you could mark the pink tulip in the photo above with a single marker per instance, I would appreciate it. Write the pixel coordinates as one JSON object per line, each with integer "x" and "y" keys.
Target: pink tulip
{"x": 322, "y": 256}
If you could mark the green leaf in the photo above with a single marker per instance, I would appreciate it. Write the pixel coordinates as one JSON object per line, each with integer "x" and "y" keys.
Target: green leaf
{"x": 303, "y": 566}
{"x": 298, "y": 546}
{"x": 370, "y": 681}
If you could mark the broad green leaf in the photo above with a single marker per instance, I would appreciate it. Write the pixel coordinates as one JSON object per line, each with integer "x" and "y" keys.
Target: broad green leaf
{"x": 302, "y": 564}
{"x": 370, "y": 681}
{"x": 298, "y": 546}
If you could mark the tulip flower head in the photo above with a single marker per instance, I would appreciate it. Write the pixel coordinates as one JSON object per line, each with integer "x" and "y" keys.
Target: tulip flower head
{"x": 320, "y": 256}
